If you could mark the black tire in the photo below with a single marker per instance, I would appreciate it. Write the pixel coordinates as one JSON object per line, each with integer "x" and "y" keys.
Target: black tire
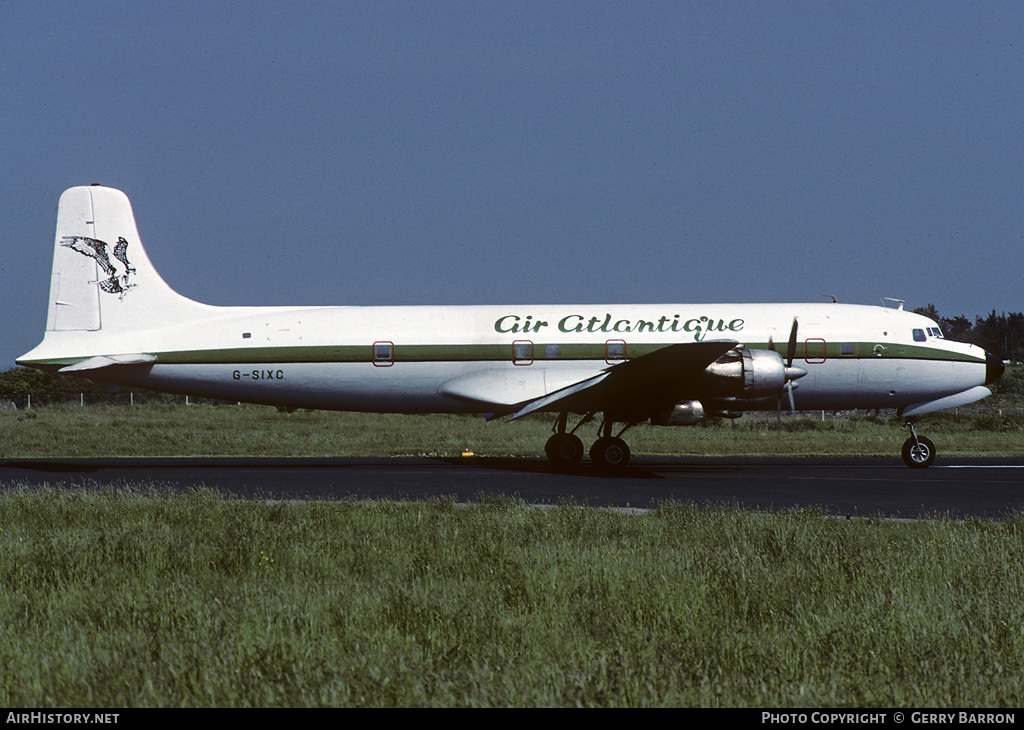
{"x": 609, "y": 452}
{"x": 564, "y": 449}
{"x": 919, "y": 455}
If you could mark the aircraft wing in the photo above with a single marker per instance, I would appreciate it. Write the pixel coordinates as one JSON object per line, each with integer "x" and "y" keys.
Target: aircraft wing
{"x": 664, "y": 376}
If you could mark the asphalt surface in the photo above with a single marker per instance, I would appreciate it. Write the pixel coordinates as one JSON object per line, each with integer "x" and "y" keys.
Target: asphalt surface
{"x": 988, "y": 488}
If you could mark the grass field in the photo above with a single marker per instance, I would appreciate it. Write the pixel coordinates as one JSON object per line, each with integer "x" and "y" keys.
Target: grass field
{"x": 132, "y": 598}
{"x": 204, "y": 430}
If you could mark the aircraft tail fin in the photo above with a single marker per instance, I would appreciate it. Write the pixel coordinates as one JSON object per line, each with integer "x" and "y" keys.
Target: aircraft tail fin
{"x": 102, "y": 278}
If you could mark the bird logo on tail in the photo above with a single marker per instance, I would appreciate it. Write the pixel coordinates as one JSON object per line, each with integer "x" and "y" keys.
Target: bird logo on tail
{"x": 118, "y": 270}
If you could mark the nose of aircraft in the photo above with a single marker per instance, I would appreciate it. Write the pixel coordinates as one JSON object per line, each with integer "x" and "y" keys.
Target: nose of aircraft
{"x": 993, "y": 368}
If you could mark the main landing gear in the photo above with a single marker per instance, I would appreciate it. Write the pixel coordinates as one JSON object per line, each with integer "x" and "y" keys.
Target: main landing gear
{"x": 566, "y": 448}
{"x": 918, "y": 451}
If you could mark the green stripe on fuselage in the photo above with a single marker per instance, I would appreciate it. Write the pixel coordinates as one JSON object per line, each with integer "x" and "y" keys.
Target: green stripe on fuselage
{"x": 504, "y": 352}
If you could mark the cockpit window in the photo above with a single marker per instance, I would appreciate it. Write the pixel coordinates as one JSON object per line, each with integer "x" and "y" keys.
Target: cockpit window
{"x": 935, "y": 332}
{"x": 919, "y": 336}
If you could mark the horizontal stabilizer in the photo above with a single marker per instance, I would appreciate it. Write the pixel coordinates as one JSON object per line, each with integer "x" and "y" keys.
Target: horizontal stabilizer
{"x": 105, "y": 361}
{"x": 950, "y": 401}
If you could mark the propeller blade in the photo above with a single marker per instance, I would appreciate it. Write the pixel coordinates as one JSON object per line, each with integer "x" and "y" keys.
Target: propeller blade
{"x": 791, "y": 352}
{"x": 792, "y": 373}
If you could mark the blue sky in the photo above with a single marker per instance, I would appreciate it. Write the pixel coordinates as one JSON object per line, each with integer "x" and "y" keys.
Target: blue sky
{"x": 525, "y": 152}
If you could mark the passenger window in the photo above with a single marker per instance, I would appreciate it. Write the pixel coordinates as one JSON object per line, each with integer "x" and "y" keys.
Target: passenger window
{"x": 615, "y": 351}
{"x": 815, "y": 350}
{"x": 522, "y": 352}
{"x": 847, "y": 349}
{"x": 919, "y": 336}
{"x": 553, "y": 351}
{"x": 383, "y": 354}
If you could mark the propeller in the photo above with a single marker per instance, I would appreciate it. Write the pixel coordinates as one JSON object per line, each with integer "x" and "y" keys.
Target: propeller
{"x": 791, "y": 373}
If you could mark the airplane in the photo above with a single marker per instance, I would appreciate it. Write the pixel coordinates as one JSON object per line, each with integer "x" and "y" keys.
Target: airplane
{"x": 112, "y": 318}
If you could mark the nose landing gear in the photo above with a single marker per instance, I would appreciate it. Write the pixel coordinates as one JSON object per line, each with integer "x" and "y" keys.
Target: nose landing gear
{"x": 918, "y": 451}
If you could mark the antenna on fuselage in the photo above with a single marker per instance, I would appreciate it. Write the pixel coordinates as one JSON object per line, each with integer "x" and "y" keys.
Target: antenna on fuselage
{"x": 890, "y": 299}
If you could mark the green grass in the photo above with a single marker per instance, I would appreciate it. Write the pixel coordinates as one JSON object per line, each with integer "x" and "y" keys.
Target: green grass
{"x": 131, "y": 598}
{"x": 203, "y": 430}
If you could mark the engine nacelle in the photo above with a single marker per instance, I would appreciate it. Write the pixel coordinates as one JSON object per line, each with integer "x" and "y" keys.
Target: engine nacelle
{"x": 745, "y": 373}
{"x": 686, "y": 413}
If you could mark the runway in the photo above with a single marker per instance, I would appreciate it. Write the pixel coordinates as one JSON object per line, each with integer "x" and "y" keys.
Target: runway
{"x": 988, "y": 488}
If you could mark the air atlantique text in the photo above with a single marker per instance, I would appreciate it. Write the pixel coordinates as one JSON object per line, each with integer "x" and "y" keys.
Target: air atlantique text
{"x": 699, "y": 326}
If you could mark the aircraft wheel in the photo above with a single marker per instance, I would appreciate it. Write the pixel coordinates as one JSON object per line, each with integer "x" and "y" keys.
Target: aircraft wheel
{"x": 609, "y": 452}
{"x": 918, "y": 455}
{"x": 564, "y": 448}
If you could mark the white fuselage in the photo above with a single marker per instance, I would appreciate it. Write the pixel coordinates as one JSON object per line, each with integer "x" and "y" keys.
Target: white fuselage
{"x": 472, "y": 358}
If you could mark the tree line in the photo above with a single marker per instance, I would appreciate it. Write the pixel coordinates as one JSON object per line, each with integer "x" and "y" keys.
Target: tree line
{"x": 20, "y": 387}
{"x": 1000, "y": 334}
{"x": 29, "y": 381}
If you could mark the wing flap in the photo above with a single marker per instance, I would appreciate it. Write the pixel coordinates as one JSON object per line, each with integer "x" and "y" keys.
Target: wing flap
{"x": 509, "y": 388}
{"x": 539, "y": 403}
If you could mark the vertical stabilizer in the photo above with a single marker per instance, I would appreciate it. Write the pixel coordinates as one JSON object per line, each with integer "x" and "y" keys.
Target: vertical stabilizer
{"x": 102, "y": 278}
{"x": 74, "y": 293}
